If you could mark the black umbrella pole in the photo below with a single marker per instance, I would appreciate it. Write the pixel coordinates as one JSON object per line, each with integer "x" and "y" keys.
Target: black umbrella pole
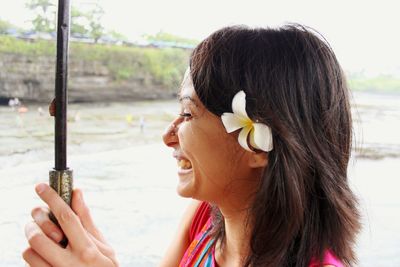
{"x": 61, "y": 179}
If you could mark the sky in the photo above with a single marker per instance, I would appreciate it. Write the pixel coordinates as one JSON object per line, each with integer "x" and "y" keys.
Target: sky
{"x": 364, "y": 34}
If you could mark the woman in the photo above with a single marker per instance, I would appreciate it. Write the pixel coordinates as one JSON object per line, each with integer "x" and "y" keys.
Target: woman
{"x": 262, "y": 143}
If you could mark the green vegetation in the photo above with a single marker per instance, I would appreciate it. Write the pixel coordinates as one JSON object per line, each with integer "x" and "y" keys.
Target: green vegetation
{"x": 45, "y": 14}
{"x": 10, "y": 44}
{"x": 165, "y": 66}
{"x": 162, "y": 66}
{"x": 382, "y": 83}
{"x": 167, "y": 37}
{"x": 93, "y": 18}
{"x": 5, "y": 26}
{"x": 76, "y": 27}
{"x": 83, "y": 23}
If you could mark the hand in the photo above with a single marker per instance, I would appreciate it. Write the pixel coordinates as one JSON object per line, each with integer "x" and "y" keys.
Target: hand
{"x": 86, "y": 245}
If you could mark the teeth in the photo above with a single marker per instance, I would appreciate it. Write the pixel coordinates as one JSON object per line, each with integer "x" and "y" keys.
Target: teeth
{"x": 188, "y": 165}
{"x": 184, "y": 164}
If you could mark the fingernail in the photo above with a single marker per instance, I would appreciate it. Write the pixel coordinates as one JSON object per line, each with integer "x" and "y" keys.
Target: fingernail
{"x": 31, "y": 229}
{"x": 55, "y": 236}
{"x": 40, "y": 188}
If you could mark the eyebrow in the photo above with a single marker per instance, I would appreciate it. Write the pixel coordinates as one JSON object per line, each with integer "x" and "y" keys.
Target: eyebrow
{"x": 187, "y": 97}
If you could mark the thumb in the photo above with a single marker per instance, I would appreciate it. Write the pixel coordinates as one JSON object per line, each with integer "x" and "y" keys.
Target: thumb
{"x": 79, "y": 206}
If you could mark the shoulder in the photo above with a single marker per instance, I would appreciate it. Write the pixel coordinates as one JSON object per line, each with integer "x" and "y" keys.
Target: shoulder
{"x": 181, "y": 239}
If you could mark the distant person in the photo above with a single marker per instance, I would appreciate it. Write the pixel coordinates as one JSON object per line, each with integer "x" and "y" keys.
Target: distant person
{"x": 22, "y": 109}
{"x": 14, "y": 102}
{"x": 11, "y": 103}
{"x": 262, "y": 143}
{"x": 142, "y": 124}
{"x": 129, "y": 119}
{"x": 17, "y": 102}
{"x": 40, "y": 111}
{"x": 77, "y": 116}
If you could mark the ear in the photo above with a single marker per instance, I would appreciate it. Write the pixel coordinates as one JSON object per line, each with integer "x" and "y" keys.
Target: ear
{"x": 258, "y": 160}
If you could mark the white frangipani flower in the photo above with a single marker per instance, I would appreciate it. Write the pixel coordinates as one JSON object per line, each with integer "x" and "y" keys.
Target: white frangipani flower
{"x": 260, "y": 134}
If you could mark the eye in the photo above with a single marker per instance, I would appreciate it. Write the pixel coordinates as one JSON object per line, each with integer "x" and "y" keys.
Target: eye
{"x": 185, "y": 115}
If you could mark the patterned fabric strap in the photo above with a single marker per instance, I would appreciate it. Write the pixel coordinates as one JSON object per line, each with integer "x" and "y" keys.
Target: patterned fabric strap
{"x": 199, "y": 253}
{"x": 329, "y": 259}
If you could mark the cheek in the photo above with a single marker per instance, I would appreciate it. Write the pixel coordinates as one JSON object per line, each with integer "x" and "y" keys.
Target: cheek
{"x": 226, "y": 159}
{"x": 212, "y": 151}
{"x": 186, "y": 137}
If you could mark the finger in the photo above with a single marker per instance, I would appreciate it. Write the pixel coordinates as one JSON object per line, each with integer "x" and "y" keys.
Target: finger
{"x": 103, "y": 248}
{"x": 52, "y": 108}
{"x": 81, "y": 209}
{"x": 68, "y": 220}
{"x": 41, "y": 216}
{"x": 33, "y": 259}
{"x": 107, "y": 251}
{"x": 43, "y": 246}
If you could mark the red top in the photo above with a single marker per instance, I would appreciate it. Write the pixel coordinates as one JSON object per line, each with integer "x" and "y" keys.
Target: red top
{"x": 200, "y": 218}
{"x": 203, "y": 214}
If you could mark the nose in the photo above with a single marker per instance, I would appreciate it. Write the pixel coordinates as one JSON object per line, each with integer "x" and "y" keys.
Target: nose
{"x": 170, "y": 136}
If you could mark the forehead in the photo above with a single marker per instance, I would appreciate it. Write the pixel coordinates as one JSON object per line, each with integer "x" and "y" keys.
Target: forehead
{"x": 187, "y": 85}
{"x": 187, "y": 91}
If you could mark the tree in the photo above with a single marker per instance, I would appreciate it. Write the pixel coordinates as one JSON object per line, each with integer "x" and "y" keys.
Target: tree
{"x": 78, "y": 22}
{"x": 83, "y": 23}
{"x": 87, "y": 23}
{"x": 5, "y": 26}
{"x": 117, "y": 36}
{"x": 96, "y": 29}
{"x": 45, "y": 17}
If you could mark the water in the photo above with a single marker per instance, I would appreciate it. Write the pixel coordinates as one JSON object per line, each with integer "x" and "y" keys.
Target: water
{"x": 129, "y": 177}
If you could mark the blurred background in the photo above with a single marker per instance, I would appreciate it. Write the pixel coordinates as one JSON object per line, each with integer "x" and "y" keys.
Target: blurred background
{"x": 127, "y": 59}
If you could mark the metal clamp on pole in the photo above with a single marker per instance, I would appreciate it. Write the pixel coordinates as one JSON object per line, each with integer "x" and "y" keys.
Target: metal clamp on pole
{"x": 62, "y": 183}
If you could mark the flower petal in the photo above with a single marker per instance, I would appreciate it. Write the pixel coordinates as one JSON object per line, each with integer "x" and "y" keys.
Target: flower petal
{"x": 239, "y": 105}
{"x": 243, "y": 137}
{"x": 261, "y": 137}
{"x": 231, "y": 122}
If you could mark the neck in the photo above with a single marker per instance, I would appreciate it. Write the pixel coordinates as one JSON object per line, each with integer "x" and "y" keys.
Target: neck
{"x": 235, "y": 247}
{"x": 235, "y": 210}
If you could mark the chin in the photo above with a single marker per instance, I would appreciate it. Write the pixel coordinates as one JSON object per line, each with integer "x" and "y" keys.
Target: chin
{"x": 186, "y": 185}
{"x": 184, "y": 191}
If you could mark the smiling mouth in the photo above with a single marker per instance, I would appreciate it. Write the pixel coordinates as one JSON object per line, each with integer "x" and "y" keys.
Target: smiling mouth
{"x": 184, "y": 164}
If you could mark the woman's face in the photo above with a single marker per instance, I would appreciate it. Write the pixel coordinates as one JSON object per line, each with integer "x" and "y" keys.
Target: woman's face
{"x": 212, "y": 166}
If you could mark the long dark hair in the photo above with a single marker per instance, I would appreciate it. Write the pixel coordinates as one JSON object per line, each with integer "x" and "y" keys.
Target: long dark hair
{"x": 294, "y": 84}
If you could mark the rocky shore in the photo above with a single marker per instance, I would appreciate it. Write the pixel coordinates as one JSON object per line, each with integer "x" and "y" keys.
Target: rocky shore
{"x": 31, "y": 79}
